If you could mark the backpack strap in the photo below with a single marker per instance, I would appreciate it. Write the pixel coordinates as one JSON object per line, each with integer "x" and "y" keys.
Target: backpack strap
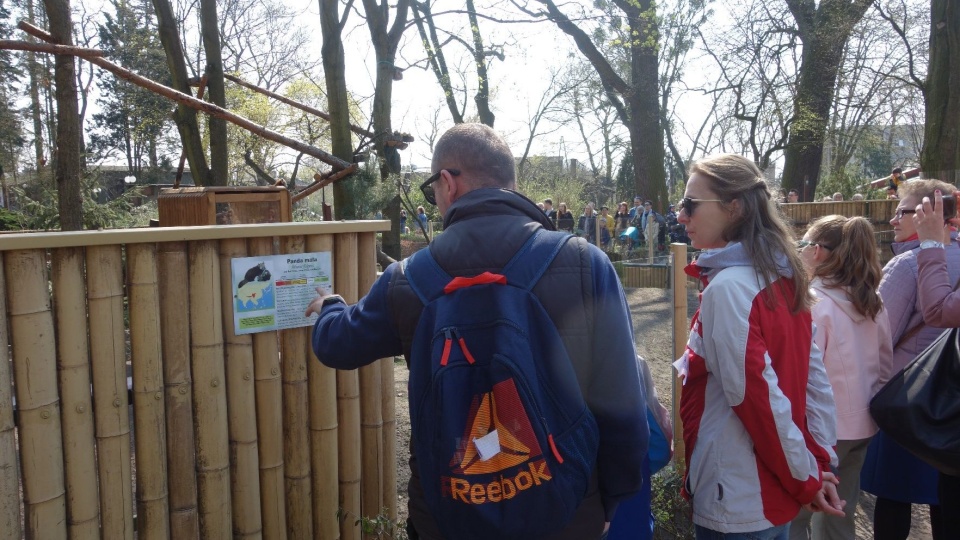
{"x": 531, "y": 261}
{"x": 425, "y": 276}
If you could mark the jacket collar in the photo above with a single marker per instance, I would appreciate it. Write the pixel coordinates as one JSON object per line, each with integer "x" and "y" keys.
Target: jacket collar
{"x": 494, "y": 201}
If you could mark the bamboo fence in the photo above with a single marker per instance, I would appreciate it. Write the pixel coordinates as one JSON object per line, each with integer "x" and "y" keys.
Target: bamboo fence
{"x": 232, "y": 436}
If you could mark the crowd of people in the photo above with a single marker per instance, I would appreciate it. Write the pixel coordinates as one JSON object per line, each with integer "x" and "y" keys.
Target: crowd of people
{"x": 627, "y": 226}
{"x": 791, "y": 340}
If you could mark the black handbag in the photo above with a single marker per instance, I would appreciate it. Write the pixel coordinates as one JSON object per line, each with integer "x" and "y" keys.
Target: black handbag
{"x": 920, "y": 407}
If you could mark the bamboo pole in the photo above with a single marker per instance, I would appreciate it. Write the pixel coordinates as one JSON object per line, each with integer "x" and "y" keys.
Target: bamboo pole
{"x": 178, "y": 389}
{"x": 9, "y": 472}
{"x": 34, "y": 369}
{"x": 109, "y": 358}
{"x": 266, "y": 367}
{"x": 241, "y": 393}
{"x": 371, "y": 415}
{"x": 209, "y": 392}
{"x": 348, "y": 396}
{"x": 153, "y": 520}
{"x": 389, "y": 434}
{"x": 73, "y": 367}
{"x": 680, "y": 329}
{"x": 194, "y": 103}
{"x": 323, "y": 428}
{"x": 296, "y": 421}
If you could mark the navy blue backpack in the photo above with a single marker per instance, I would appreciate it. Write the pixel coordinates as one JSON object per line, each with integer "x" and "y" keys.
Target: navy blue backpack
{"x": 503, "y": 438}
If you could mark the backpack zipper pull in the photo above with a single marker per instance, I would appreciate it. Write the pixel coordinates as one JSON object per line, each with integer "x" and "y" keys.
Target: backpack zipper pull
{"x": 463, "y": 347}
{"x": 447, "y": 342}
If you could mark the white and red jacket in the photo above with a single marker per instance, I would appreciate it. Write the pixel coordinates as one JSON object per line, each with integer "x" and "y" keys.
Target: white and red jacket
{"x": 759, "y": 420}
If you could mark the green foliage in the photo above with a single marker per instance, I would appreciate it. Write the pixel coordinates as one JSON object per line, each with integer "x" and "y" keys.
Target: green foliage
{"x": 9, "y": 221}
{"x": 843, "y": 182}
{"x": 38, "y": 207}
{"x": 132, "y": 120}
{"x": 370, "y": 194}
{"x": 379, "y": 526}
{"x": 672, "y": 515}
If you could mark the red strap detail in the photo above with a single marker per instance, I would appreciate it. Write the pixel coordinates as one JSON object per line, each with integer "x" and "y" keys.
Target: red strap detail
{"x": 553, "y": 448}
{"x": 482, "y": 279}
{"x": 466, "y": 352}
{"x": 446, "y": 351}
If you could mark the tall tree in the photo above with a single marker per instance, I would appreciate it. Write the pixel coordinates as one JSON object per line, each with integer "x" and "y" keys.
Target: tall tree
{"x": 824, "y": 30}
{"x": 210, "y": 33}
{"x": 426, "y": 24}
{"x": 185, "y": 117}
{"x": 338, "y": 102}
{"x": 132, "y": 119}
{"x": 940, "y": 156}
{"x": 37, "y": 73}
{"x": 68, "y": 120}
{"x": 634, "y": 93}
{"x": 386, "y": 38}
{"x": 11, "y": 136}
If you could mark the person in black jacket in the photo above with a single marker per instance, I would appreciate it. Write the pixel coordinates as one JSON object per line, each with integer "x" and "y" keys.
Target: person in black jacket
{"x": 485, "y": 222}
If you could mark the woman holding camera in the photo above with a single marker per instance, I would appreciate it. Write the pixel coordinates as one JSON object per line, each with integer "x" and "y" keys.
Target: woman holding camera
{"x": 941, "y": 308}
{"x": 898, "y": 478}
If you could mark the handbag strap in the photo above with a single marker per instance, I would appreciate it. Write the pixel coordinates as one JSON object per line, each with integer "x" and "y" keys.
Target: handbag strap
{"x": 913, "y": 331}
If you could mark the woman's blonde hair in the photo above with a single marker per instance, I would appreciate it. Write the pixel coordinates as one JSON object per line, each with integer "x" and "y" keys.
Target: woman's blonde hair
{"x": 852, "y": 260}
{"x": 758, "y": 224}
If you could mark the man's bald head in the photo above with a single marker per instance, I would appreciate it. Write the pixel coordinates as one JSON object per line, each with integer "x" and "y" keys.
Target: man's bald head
{"x": 478, "y": 152}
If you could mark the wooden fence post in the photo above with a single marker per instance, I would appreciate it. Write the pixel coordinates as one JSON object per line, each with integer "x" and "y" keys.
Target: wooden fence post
{"x": 38, "y": 405}
{"x": 153, "y": 518}
{"x": 108, "y": 354}
{"x": 323, "y": 428}
{"x": 241, "y": 393}
{"x": 209, "y": 392}
{"x": 73, "y": 369}
{"x": 266, "y": 362}
{"x": 679, "y": 252}
{"x": 174, "y": 284}
{"x": 348, "y": 396}
{"x": 9, "y": 472}
{"x": 296, "y": 421}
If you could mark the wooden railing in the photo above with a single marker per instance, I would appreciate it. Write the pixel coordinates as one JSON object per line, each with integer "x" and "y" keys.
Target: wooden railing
{"x": 231, "y": 436}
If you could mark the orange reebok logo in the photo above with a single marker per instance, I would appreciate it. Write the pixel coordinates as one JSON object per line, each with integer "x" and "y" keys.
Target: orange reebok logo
{"x": 502, "y": 411}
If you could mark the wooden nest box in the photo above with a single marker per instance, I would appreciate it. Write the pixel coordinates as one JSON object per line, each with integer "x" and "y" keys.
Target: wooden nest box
{"x": 228, "y": 205}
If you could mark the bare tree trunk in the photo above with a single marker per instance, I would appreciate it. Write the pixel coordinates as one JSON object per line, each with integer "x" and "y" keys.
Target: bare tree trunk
{"x": 386, "y": 39}
{"x": 210, "y": 32}
{"x": 438, "y": 63}
{"x": 479, "y": 58}
{"x": 334, "y": 71}
{"x": 36, "y": 108}
{"x": 940, "y": 157}
{"x": 824, "y": 30}
{"x": 185, "y": 117}
{"x": 68, "y": 120}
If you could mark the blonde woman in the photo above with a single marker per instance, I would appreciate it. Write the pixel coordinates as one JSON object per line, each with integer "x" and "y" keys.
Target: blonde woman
{"x": 756, "y": 405}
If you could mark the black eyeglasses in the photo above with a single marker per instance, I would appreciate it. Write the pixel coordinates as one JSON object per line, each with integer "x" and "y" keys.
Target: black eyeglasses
{"x": 427, "y": 187}
{"x": 902, "y": 212}
{"x": 690, "y": 204}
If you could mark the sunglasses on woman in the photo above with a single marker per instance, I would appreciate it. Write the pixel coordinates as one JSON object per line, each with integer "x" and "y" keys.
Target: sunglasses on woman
{"x": 427, "y": 187}
{"x": 690, "y": 204}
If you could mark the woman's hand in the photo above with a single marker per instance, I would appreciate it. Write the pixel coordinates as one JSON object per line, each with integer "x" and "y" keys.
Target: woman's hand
{"x": 928, "y": 219}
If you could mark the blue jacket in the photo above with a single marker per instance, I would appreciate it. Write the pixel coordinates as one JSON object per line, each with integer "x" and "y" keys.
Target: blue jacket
{"x": 582, "y": 294}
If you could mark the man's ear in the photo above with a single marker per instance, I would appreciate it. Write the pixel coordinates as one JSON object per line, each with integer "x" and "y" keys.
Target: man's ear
{"x": 453, "y": 187}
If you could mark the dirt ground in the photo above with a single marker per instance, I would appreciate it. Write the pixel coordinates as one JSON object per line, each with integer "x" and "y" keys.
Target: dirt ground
{"x": 652, "y": 320}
